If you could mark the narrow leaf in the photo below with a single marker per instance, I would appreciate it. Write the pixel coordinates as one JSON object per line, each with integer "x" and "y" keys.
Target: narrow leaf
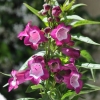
{"x": 26, "y": 99}
{"x": 83, "y": 22}
{"x": 77, "y": 5}
{"x": 36, "y": 13}
{"x": 24, "y": 66}
{"x": 86, "y": 55}
{"x": 90, "y": 66}
{"x": 92, "y": 73}
{"x": 84, "y": 39}
{"x": 73, "y": 17}
{"x": 5, "y": 74}
{"x": 69, "y": 93}
{"x": 67, "y": 7}
{"x": 39, "y": 86}
{"x": 55, "y": 2}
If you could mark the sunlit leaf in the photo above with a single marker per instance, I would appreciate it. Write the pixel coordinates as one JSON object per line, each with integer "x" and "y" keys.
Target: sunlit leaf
{"x": 73, "y": 17}
{"x": 36, "y": 13}
{"x": 83, "y": 22}
{"x": 90, "y": 66}
{"x": 77, "y": 5}
{"x": 84, "y": 39}
{"x": 55, "y": 2}
{"x": 24, "y": 66}
{"x": 68, "y": 6}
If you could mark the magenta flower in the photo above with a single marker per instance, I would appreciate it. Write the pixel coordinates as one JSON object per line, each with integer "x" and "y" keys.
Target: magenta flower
{"x": 73, "y": 53}
{"x": 46, "y": 7}
{"x": 33, "y": 36}
{"x": 54, "y": 64}
{"x": 36, "y": 70}
{"x": 61, "y": 34}
{"x": 16, "y": 79}
{"x": 73, "y": 81}
{"x": 56, "y": 11}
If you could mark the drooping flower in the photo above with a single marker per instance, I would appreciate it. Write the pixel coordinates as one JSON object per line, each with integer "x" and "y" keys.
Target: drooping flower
{"x": 36, "y": 71}
{"x": 71, "y": 52}
{"x": 61, "y": 34}
{"x": 73, "y": 81}
{"x": 16, "y": 79}
{"x": 55, "y": 64}
{"x": 56, "y": 11}
{"x": 33, "y": 36}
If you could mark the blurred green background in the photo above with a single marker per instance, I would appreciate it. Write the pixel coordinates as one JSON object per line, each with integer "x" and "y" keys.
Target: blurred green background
{"x": 13, "y": 53}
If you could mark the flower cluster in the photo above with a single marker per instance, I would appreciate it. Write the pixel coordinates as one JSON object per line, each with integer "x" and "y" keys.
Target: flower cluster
{"x": 40, "y": 68}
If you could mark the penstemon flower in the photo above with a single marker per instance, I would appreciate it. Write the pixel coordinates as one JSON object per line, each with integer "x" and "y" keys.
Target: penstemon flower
{"x": 61, "y": 34}
{"x": 16, "y": 79}
{"x": 33, "y": 36}
{"x": 36, "y": 71}
{"x": 59, "y": 65}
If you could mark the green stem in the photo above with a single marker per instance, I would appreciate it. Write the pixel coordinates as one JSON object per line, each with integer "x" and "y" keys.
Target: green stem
{"x": 5, "y": 74}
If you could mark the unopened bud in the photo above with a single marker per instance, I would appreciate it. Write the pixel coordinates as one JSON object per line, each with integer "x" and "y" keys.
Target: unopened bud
{"x": 56, "y": 11}
{"x": 50, "y": 19}
{"x": 47, "y": 29}
{"x": 46, "y": 7}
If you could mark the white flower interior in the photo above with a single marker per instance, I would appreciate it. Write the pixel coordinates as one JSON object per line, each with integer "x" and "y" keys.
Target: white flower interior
{"x": 34, "y": 36}
{"x": 61, "y": 34}
{"x": 36, "y": 70}
{"x": 74, "y": 80}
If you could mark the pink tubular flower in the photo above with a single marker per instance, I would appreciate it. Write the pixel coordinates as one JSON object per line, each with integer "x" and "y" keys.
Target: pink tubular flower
{"x": 73, "y": 53}
{"x": 61, "y": 34}
{"x": 36, "y": 71}
{"x": 33, "y": 36}
{"x": 54, "y": 64}
{"x": 56, "y": 11}
{"x": 16, "y": 79}
{"x": 73, "y": 81}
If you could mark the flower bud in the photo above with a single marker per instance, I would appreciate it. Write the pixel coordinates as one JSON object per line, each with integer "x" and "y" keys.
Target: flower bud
{"x": 46, "y": 7}
{"x": 56, "y": 11}
{"x": 42, "y": 12}
{"x": 50, "y": 19}
{"x": 47, "y": 29}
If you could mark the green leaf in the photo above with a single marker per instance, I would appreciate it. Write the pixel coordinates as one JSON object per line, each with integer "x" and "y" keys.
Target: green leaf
{"x": 24, "y": 66}
{"x": 77, "y": 5}
{"x": 90, "y": 66}
{"x": 83, "y": 22}
{"x": 84, "y": 39}
{"x": 86, "y": 55}
{"x": 92, "y": 73}
{"x": 55, "y": 2}
{"x": 69, "y": 93}
{"x": 86, "y": 89}
{"x": 31, "y": 88}
{"x": 68, "y": 6}
{"x": 43, "y": 18}
{"x": 5, "y": 74}
{"x": 39, "y": 86}
{"x": 26, "y": 99}
{"x": 74, "y": 17}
